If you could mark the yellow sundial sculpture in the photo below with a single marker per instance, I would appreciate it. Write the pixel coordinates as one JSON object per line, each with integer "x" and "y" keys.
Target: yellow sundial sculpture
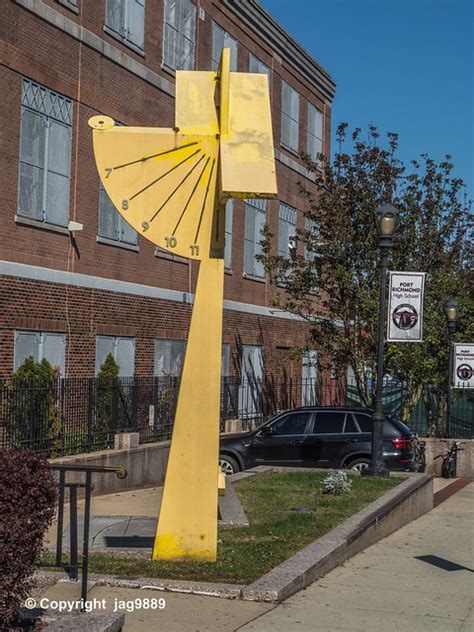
{"x": 171, "y": 185}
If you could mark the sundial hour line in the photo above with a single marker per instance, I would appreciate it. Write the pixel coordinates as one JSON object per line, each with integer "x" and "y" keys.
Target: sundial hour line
{"x": 145, "y": 158}
{"x": 165, "y": 174}
{"x": 183, "y": 180}
{"x": 191, "y": 195}
{"x": 204, "y": 201}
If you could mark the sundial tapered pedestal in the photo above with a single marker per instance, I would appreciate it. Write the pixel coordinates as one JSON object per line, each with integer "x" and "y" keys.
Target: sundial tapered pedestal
{"x": 171, "y": 185}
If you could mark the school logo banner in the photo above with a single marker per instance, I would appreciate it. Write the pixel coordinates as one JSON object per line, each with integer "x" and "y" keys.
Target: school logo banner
{"x": 405, "y": 309}
{"x": 463, "y": 374}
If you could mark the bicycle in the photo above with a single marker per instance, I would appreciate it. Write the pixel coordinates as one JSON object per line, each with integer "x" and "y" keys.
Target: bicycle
{"x": 419, "y": 448}
{"x": 450, "y": 460}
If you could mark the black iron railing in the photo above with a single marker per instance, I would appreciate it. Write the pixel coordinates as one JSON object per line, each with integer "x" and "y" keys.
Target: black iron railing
{"x": 76, "y": 415}
{"x": 72, "y": 565}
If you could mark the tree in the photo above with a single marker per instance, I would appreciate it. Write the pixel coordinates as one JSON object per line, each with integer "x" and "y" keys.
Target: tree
{"x": 33, "y": 418}
{"x": 334, "y": 283}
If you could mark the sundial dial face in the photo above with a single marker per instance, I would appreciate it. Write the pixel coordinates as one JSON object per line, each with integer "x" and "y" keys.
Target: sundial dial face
{"x": 171, "y": 185}
{"x": 163, "y": 184}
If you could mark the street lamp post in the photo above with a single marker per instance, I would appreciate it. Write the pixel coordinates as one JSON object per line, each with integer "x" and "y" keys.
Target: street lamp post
{"x": 451, "y": 311}
{"x": 386, "y": 218}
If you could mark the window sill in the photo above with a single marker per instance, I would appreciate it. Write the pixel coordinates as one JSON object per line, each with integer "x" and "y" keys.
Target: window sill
{"x": 124, "y": 41}
{"x": 117, "y": 244}
{"x": 66, "y": 4}
{"x": 251, "y": 277}
{"x": 170, "y": 71}
{"x": 228, "y": 271}
{"x": 54, "y": 228}
{"x": 171, "y": 257}
{"x": 294, "y": 152}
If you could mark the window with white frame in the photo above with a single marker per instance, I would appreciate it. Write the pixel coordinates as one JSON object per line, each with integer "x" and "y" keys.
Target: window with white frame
{"x": 111, "y": 224}
{"x": 169, "y": 357}
{"x": 122, "y": 350}
{"x": 290, "y": 116}
{"x": 39, "y": 345}
{"x": 309, "y": 374}
{"x": 221, "y": 39}
{"x": 255, "y": 65}
{"x": 250, "y": 391}
{"x": 179, "y": 37}
{"x": 255, "y": 220}
{"x": 315, "y": 133}
{"x": 45, "y": 155}
{"x": 126, "y": 18}
{"x": 229, "y": 215}
{"x": 69, "y": 3}
{"x": 286, "y": 229}
{"x": 311, "y": 227}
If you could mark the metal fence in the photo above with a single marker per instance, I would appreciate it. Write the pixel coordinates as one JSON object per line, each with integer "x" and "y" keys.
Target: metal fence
{"x": 75, "y": 415}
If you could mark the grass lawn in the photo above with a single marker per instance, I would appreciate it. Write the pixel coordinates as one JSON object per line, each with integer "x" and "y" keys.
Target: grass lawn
{"x": 275, "y": 533}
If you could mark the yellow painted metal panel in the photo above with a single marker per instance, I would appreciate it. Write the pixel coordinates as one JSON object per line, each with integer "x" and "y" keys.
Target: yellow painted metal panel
{"x": 163, "y": 185}
{"x": 187, "y": 526}
{"x": 195, "y": 102}
{"x": 247, "y": 153}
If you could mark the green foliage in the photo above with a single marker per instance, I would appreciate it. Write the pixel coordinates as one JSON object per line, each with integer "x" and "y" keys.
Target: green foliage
{"x": 33, "y": 419}
{"x": 109, "y": 369}
{"x": 434, "y": 236}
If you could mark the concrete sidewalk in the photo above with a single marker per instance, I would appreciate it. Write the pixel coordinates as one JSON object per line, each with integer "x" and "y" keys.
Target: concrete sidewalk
{"x": 419, "y": 578}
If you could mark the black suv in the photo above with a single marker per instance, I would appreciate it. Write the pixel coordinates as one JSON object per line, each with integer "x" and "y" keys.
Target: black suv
{"x": 317, "y": 436}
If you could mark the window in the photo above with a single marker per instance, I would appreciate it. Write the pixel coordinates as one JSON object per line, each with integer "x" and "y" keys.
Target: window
{"x": 45, "y": 155}
{"x": 328, "y": 422}
{"x": 250, "y": 391}
{"x": 255, "y": 65}
{"x": 126, "y": 18}
{"x": 221, "y": 39}
{"x": 39, "y": 345}
{"x": 291, "y": 424}
{"x": 122, "y": 350}
{"x": 255, "y": 220}
{"x": 179, "y": 34}
{"x": 350, "y": 425}
{"x": 310, "y": 256}
{"x": 111, "y": 224}
{"x": 229, "y": 213}
{"x": 309, "y": 374}
{"x": 286, "y": 229}
{"x": 364, "y": 421}
{"x": 315, "y": 133}
{"x": 169, "y": 357}
{"x": 290, "y": 115}
{"x": 225, "y": 359}
{"x": 69, "y": 3}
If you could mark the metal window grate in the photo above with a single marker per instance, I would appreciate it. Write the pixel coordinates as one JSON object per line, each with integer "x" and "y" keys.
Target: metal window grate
{"x": 288, "y": 214}
{"x": 47, "y": 102}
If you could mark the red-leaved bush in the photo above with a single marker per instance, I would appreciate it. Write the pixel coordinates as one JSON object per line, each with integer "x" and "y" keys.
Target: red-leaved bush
{"x": 28, "y": 492}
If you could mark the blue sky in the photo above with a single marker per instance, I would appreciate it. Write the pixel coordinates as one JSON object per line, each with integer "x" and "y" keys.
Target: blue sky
{"x": 405, "y": 66}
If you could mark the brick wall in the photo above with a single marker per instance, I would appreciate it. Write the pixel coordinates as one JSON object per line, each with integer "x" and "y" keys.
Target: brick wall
{"x": 31, "y": 47}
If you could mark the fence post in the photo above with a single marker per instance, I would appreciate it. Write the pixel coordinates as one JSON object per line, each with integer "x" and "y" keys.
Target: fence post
{"x": 90, "y": 412}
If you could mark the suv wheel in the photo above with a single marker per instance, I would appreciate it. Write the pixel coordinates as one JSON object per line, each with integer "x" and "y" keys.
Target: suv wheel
{"x": 228, "y": 465}
{"x": 358, "y": 464}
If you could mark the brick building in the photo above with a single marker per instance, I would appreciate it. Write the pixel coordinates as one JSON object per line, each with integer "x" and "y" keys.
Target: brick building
{"x": 75, "y": 296}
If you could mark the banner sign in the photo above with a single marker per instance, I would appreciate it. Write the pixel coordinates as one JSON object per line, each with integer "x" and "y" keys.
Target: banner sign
{"x": 405, "y": 308}
{"x": 463, "y": 374}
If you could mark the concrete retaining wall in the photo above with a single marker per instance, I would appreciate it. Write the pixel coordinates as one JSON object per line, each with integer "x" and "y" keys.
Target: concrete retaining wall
{"x": 465, "y": 458}
{"x": 145, "y": 464}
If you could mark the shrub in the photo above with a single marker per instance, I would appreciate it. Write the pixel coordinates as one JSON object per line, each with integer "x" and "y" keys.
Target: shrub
{"x": 111, "y": 401}
{"x": 28, "y": 493}
{"x": 33, "y": 419}
{"x": 336, "y": 483}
